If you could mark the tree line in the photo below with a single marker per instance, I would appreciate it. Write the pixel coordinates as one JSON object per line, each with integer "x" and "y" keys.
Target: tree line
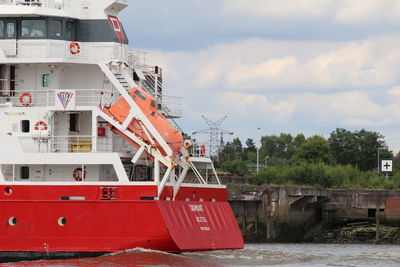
{"x": 345, "y": 159}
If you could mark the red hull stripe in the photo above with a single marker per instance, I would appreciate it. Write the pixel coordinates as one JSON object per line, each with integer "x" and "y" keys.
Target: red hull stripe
{"x": 201, "y": 225}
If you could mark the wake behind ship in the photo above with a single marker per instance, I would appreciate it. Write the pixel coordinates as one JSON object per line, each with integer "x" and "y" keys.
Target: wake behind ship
{"x": 89, "y": 161}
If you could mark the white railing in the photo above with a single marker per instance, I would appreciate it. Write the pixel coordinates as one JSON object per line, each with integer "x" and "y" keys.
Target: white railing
{"x": 84, "y": 97}
{"x": 137, "y": 58}
{"x": 98, "y": 52}
{"x": 72, "y": 144}
{"x": 76, "y": 143}
{"x": 46, "y": 98}
{"x": 172, "y": 106}
{"x": 67, "y": 144}
{"x": 36, "y": 3}
{"x": 199, "y": 150}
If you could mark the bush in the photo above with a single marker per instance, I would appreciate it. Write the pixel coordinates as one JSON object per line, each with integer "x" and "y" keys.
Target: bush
{"x": 235, "y": 166}
{"x": 323, "y": 175}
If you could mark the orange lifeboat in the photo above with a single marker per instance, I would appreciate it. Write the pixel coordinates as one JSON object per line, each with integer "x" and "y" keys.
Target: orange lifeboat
{"x": 120, "y": 110}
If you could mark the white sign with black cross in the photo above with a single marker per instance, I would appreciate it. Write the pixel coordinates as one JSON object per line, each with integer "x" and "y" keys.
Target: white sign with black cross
{"x": 386, "y": 165}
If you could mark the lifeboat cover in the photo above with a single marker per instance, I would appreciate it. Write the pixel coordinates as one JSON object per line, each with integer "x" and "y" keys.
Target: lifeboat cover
{"x": 201, "y": 225}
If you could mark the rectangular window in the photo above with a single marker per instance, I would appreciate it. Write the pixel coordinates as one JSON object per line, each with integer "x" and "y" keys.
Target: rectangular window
{"x": 46, "y": 80}
{"x": 33, "y": 28}
{"x": 55, "y": 28}
{"x": 139, "y": 94}
{"x": 70, "y": 31}
{"x": 25, "y": 126}
{"x": 74, "y": 122}
{"x": 24, "y": 172}
{"x": 1, "y": 29}
{"x": 10, "y": 30}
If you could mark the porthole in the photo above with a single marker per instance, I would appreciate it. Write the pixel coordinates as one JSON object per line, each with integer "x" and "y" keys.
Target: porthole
{"x": 12, "y": 221}
{"x": 213, "y": 200}
{"x": 187, "y": 199}
{"x": 168, "y": 198}
{"x": 62, "y": 221}
{"x": 8, "y": 190}
{"x": 201, "y": 199}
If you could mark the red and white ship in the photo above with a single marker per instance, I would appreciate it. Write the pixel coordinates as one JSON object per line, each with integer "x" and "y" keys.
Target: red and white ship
{"x": 89, "y": 161}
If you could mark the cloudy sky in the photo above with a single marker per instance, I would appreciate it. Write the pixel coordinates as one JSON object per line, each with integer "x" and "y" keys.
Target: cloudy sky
{"x": 293, "y": 66}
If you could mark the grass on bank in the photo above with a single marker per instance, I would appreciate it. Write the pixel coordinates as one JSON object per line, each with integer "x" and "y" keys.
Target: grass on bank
{"x": 322, "y": 175}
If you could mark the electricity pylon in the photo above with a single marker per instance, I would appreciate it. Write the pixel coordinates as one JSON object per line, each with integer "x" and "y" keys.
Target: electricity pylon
{"x": 216, "y": 134}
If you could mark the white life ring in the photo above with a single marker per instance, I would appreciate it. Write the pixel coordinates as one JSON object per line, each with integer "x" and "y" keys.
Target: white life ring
{"x": 74, "y": 48}
{"x": 78, "y": 174}
{"x": 40, "y": 126}
{"x": 25, "y": 99}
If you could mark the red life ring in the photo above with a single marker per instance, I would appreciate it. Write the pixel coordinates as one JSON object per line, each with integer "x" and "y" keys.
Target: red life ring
{"x": 74, "y": 48}
{"x": 40, "y": 125}
{"x": 77, "y": 174}
{"x": 25, "y": 99}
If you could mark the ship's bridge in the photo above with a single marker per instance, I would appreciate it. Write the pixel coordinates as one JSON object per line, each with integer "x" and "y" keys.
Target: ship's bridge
{"x": 62, "y": 31}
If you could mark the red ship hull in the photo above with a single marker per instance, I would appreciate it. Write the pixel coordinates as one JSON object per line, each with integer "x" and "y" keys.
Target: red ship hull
{"x": 94, "y": 218}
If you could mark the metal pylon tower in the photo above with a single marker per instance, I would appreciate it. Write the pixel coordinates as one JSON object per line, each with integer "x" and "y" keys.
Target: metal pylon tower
{"x": 216, "y": 134}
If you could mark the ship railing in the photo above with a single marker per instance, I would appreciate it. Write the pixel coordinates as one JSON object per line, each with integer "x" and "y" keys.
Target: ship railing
{"x": 97, "y": 52}
{"x": 68, "y": 144}
{"x": 199, "y": 150}
{"x": 37, "y": 3}
{"x": 47, "y": 98}
{"x": 79, "y": 144}
{"x": 83, "y": 97}
{"x": 172, "y": 106}
{"x": 137, "y": 58}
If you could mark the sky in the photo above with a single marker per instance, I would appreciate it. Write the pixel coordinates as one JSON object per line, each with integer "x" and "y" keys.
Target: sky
{"x": 291, "y": 66}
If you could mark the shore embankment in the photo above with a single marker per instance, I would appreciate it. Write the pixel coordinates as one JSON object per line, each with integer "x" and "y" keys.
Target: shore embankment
{"x": 302, "y": 214}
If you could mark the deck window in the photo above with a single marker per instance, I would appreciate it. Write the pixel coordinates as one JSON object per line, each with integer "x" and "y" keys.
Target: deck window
{"x": 55, "y": 28}
{"x": 11, "y": 30}
{"x": 70, "y": 31}
{"x": 1, "y": 29}
{"x": 139, "y": 94}
{"x": 33, "y": 28}
{"x": 24, "y": 172}
{"x": 74, "y": 123}
{"x": 25, "y": 126}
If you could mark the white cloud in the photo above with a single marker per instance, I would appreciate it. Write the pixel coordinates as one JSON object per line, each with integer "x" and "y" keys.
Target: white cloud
{"x": 256, "y": 107}
{"x": 366, "y": 12}
{"x": 291, "y": 86}
{"x": 395, "y": 91}
{"x": 348, "y": 12}
{"x": 278, "y": 8}
{"x": 260, "y": 65}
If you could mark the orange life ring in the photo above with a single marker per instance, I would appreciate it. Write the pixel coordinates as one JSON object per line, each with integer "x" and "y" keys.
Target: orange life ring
{"x": 40, "y": 125}
{"x": 25, "y": 99}
{"x": 74, "y": 48}
{"x": 77, "y": 174}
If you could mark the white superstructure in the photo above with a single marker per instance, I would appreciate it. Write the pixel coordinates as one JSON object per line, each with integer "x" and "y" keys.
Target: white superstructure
{"x": 61, "y": 63}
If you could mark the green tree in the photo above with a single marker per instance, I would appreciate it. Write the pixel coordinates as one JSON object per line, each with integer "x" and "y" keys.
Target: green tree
{"x": 250, "y": 146}
{"x": 315, "y": 149}
{"x": 283, "y": 146}
{"x": 359, "y": 148}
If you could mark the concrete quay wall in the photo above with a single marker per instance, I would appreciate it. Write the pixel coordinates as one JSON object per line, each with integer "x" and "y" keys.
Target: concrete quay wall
{"x": 296, "y": 214}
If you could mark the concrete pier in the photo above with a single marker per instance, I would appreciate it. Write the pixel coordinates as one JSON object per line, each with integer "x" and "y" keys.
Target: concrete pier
{"x": 296, "y": 214}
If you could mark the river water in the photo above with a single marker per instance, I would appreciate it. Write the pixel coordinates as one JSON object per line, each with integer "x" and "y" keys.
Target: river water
{"x": 251, "y": 255}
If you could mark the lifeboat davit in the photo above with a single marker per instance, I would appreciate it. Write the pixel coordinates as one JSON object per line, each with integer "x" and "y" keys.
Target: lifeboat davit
{"x": 120, "y": 110}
